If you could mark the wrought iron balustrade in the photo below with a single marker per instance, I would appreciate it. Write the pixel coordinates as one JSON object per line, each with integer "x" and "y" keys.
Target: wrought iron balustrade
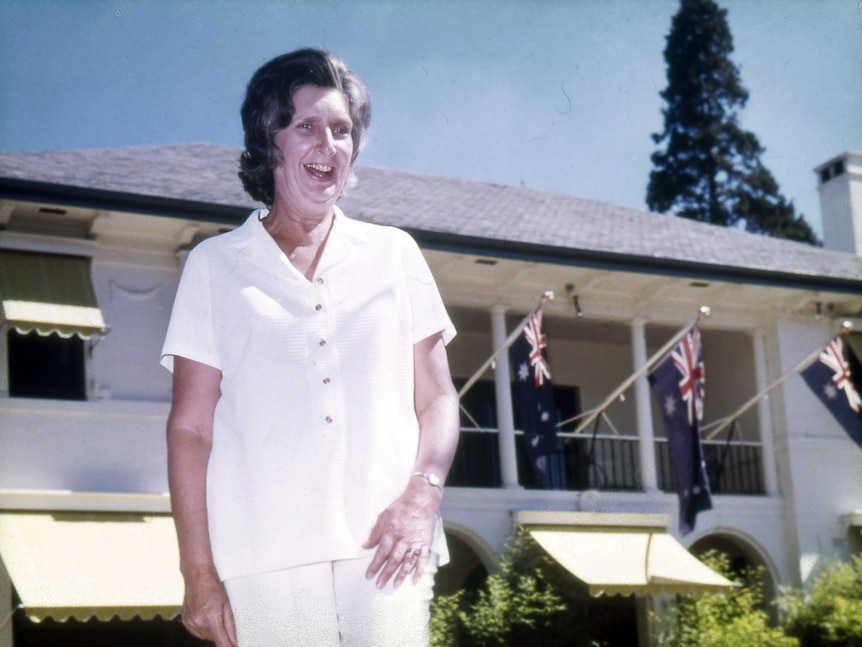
{"x": 608, "y": 462}
{"x": 734, "y": 467}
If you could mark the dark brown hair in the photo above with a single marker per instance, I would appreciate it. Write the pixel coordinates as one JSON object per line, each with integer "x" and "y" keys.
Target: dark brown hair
{"x": 268, "y": 108}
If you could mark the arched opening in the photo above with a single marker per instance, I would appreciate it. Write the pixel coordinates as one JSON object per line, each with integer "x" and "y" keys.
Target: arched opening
{"x": 465, "y": 569}
{"x": 742, "y": 555}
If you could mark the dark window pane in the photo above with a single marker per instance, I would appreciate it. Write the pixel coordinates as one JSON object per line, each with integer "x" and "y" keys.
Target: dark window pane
{"x": 46, "y": 367}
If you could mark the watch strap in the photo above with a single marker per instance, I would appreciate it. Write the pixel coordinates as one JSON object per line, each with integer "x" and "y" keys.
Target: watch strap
{"x": 432, "y": 479}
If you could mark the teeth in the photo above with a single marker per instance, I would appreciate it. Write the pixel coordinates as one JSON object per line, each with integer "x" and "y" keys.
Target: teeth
{"x": 319, "y": 167}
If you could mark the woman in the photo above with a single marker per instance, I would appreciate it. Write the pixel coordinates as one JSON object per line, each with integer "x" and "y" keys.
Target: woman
{"x": 314, "y": 418}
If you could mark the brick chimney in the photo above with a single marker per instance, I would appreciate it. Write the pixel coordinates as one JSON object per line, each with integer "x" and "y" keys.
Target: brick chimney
{"x": 840, "y": 188}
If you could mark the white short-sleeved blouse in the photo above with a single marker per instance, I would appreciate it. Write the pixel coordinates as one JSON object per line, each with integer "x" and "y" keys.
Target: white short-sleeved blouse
{"x": 315, "y": 432}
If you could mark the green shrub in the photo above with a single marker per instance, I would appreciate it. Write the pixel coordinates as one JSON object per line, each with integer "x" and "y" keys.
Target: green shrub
{"x": 829, "y": 613}
{"x": 718, "y": 620}
{"x": 515, "y": 600}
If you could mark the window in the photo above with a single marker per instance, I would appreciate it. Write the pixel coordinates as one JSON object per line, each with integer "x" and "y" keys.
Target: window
{"x": 477, "y": 462}
{"x": 477, "y": 459}
{"x": 48, "y": 311}
{"x": 46, "y": 366}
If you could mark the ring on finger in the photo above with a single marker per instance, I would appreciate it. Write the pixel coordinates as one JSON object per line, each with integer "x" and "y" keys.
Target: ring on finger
{"x": 412, "y": 553}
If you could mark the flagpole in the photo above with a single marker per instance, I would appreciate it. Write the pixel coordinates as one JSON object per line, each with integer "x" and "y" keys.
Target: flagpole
{"x": 702, "y": 313}
{"x": 548, "y": 296}
{"x": 728, "y": 420}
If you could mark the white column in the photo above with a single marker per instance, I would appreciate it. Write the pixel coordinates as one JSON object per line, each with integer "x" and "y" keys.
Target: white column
{"x": 649, "y": 478}
{"x": 503, "y": 390}
{"x": 764, "y": 414}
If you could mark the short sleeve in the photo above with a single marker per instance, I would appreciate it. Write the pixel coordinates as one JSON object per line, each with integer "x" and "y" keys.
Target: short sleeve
{"x": 190, "y": 331}
{"x": 429, "y": 315}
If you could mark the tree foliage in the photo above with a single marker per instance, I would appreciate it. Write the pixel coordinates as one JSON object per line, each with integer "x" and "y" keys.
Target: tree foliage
{"x": 710, "y": 168}
{"x": 530, "y": 600}
{"x": 514, "y": 602}
{"x": 829, "y": 613}
{"x": 722, "y": 620}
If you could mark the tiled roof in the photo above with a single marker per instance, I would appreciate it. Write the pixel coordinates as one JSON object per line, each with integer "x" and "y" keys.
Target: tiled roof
{"x": 196, "y": 172}
{"x": 206, "y": 174}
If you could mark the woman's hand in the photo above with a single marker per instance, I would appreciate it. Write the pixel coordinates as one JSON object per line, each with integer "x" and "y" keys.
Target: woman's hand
{"x": 402, "y": 534}
{"x": 206, "y": 610}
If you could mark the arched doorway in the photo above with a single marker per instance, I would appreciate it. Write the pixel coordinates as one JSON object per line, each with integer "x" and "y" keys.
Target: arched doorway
{"x": 743, "y": 555}
{"x": 466, "y": 568}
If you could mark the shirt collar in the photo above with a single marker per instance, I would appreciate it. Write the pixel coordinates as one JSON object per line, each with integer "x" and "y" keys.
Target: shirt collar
{"x": 343, "y": 238}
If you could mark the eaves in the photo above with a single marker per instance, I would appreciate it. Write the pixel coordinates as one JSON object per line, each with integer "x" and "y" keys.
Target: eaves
{"x": 232, "y": 215}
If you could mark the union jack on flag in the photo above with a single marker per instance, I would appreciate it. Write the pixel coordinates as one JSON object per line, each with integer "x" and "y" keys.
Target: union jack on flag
{"x": 688, "y": 360}
{"x": 835, "y": 377}
{"x": 833, "y": 357}
{"x": 538, "y": 343}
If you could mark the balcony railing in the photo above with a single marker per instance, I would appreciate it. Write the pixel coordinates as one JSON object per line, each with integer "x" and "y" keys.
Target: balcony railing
{"x": 732, "y": 468}
{"x": 606, "y": 462}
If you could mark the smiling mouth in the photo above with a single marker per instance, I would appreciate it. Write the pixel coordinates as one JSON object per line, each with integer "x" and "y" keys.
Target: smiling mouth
{"x": 319, "y": 170}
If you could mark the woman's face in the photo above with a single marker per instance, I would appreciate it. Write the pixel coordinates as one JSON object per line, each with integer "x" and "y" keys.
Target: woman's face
{"x": 316, "y": 149}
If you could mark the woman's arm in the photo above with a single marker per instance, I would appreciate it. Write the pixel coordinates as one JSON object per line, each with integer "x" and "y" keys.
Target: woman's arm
{"x": 408, "y": 522}
{"x": 206, "y": 611}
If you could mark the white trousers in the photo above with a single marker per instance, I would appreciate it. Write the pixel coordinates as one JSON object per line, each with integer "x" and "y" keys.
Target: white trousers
{"x": 330, "y": 604}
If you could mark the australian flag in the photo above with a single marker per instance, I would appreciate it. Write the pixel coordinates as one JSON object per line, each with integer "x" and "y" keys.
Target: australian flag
{"x": 534, "y": 392}
{"x": 836, "y": 378}
{"x": 678, "y": 383}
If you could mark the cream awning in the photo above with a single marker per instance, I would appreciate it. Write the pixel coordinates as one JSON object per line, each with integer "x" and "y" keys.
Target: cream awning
{"x": 620, "y": 554}
{"x": 49, "y": 293}
{"x": 81, "y": 564}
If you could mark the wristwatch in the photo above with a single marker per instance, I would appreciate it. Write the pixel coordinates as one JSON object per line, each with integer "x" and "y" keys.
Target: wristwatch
{"x": 432, "y": 479}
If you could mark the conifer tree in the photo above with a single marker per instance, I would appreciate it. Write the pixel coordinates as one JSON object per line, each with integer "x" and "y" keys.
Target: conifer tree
{"x": 710, "y": 168}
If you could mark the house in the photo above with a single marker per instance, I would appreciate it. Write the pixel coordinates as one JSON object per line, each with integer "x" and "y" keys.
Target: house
{"x": 91, "y": 248}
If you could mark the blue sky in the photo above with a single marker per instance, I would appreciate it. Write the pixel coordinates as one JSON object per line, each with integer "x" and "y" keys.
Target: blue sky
{"x": 554, "y": 95}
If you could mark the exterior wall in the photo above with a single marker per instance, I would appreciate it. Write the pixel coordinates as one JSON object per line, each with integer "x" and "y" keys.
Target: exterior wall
{"x": 92, "y": 446}
{"x": 757, "y": 522}
{"x": 135, "y": 290}
{"x": 820, "y": 466}
{"x": 115, "y": 441}
{"x": 812, "y": 467}
{"x": 135, "y": 275}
